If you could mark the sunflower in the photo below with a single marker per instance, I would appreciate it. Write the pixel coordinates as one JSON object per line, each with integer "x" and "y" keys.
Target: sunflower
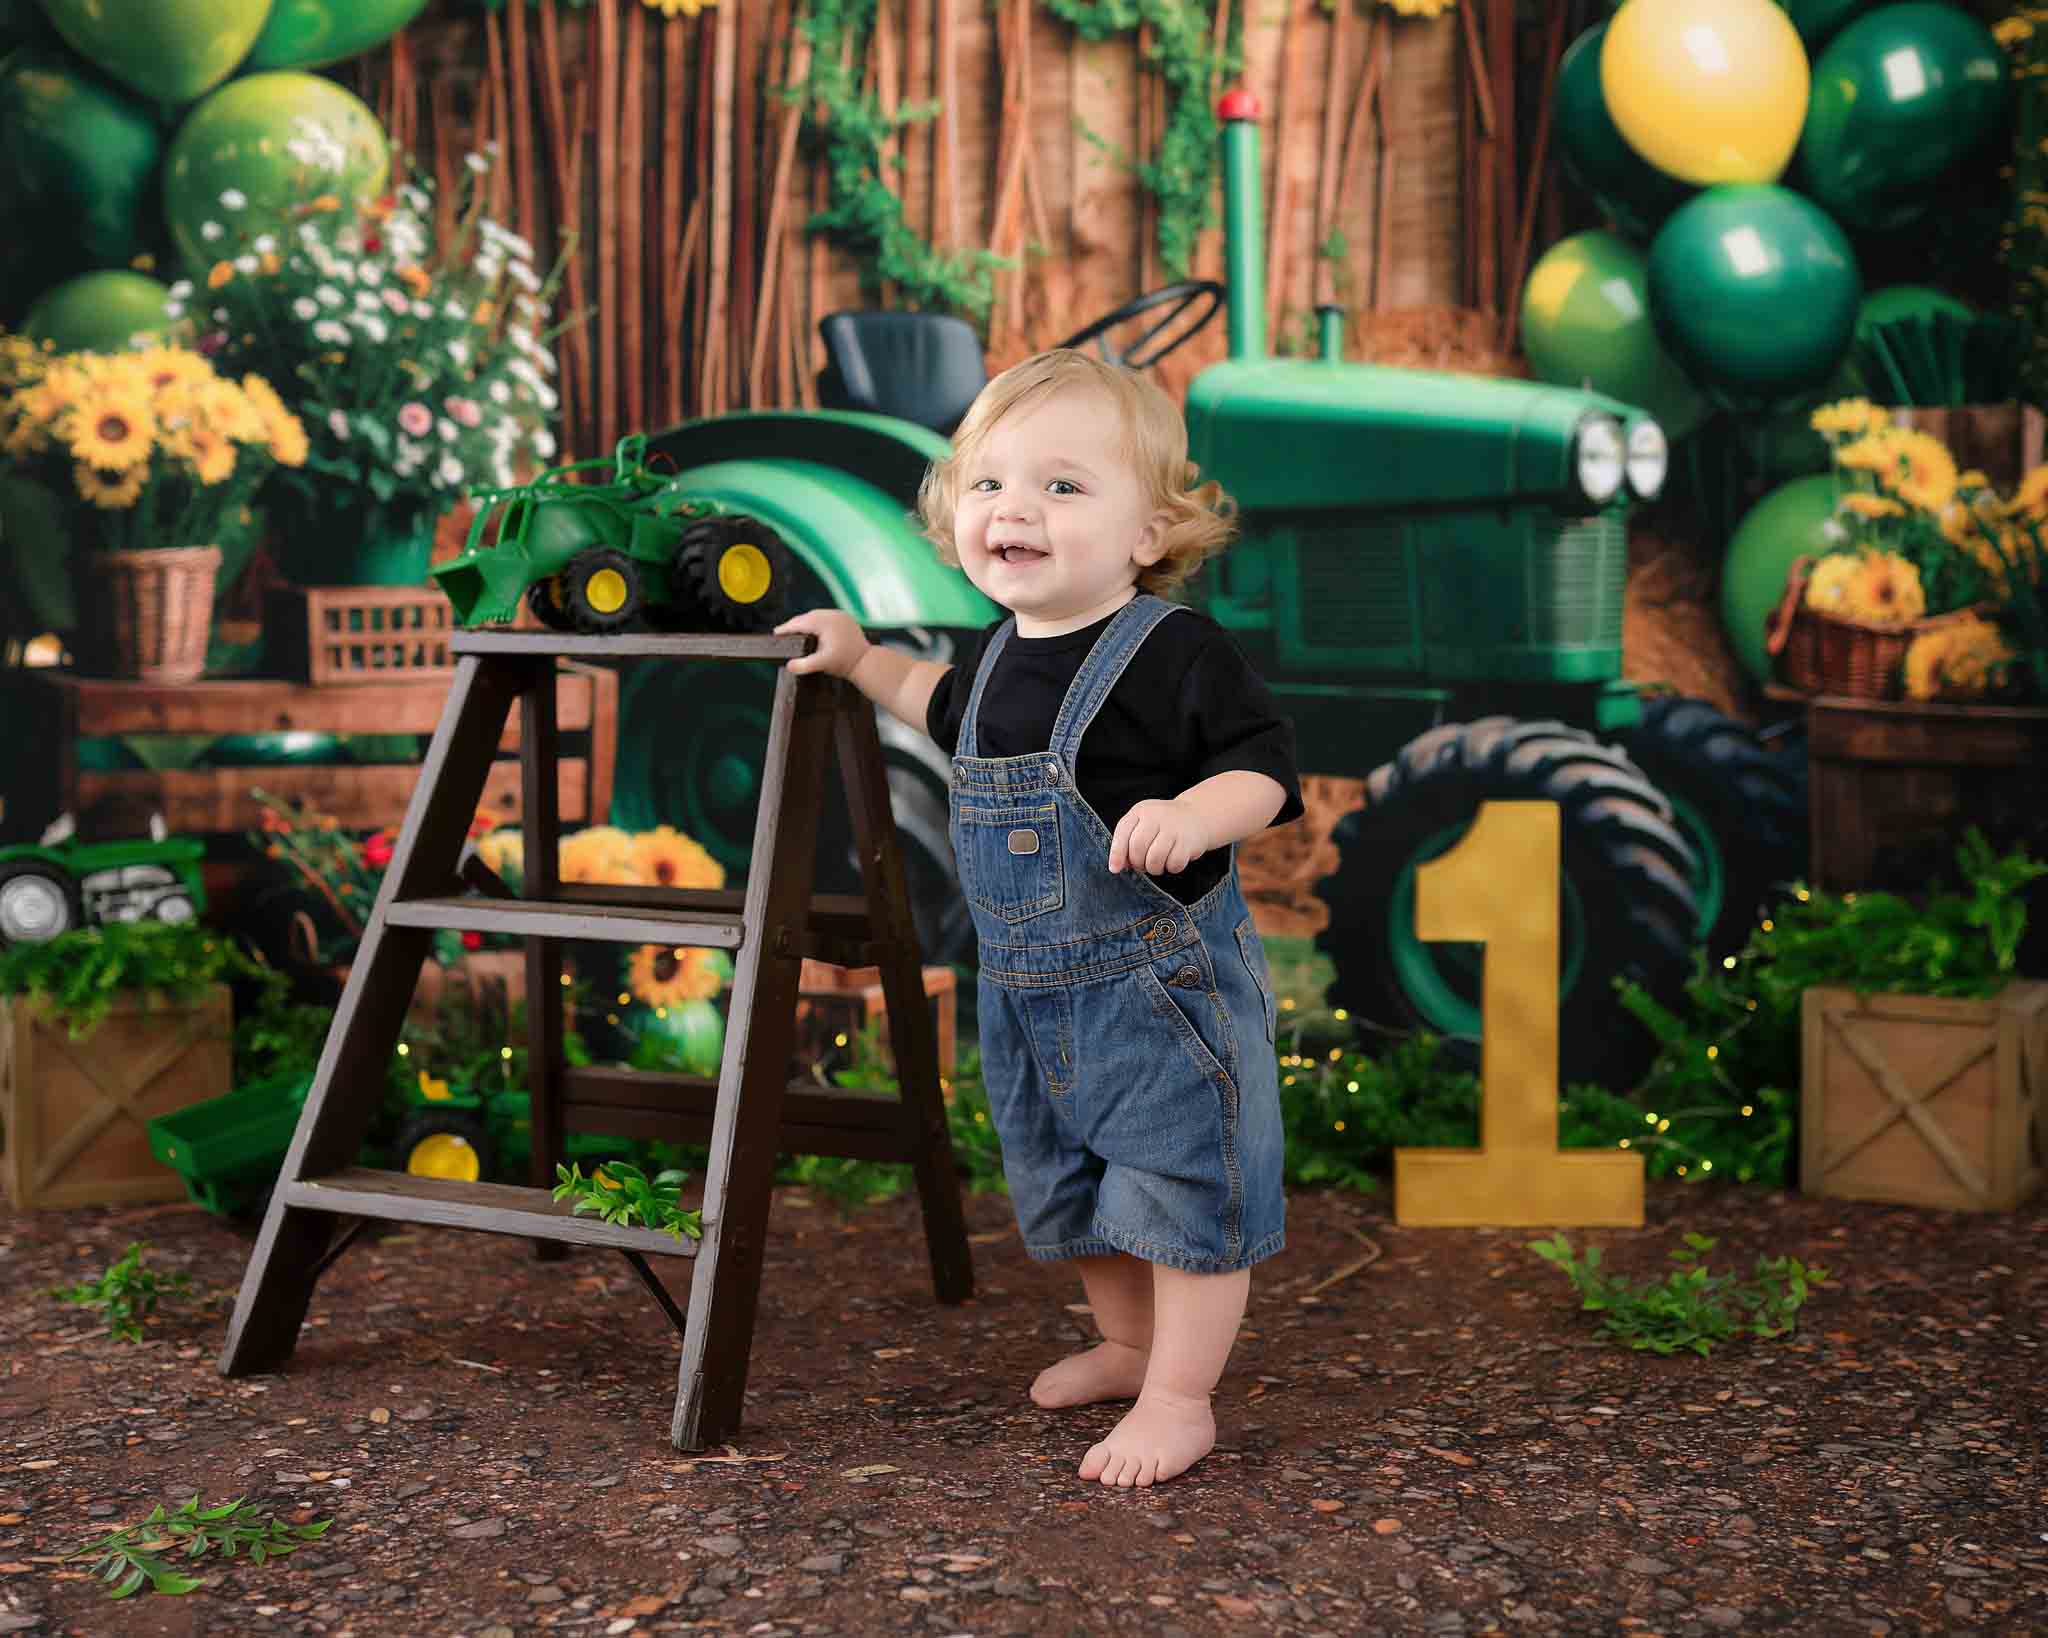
{"x": 111, "y": 491}
{"x": 1849, "y": 418}
{"x": 1923, "y": 473}
{"x": 166, "y": 367}
{"x": 663, "y": 976}
{"x": 111, "y": 430}
{"x": 2031, "y": 498}
{"x": 1873, "y": 452}
{"x": 598, "y": 853}
{"x": 1827, "y": 588}
{"x": 664, "y": 857}
{"x": 1885, "y": 591}
{"x": 1872, "y": 506}
{"x": 1960, "y": 661}
{"x": 213, "y": 458}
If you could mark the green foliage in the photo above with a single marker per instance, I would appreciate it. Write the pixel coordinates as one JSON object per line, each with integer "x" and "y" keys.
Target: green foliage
{"x": 863, "y": 213}
{"x": 127, "y": 1292}
{"x": 1691, "y": 1308}
{"x": 129, "y": 1558}
{"x": 619, "y": 1192}
{"x": 280, "y": 1037}
{"x": 1181, "y": 176}
{"x": 76, "y": 975}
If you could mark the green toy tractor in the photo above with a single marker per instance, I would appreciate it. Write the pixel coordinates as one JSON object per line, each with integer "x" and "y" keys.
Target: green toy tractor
{"x": 60, "y": 883}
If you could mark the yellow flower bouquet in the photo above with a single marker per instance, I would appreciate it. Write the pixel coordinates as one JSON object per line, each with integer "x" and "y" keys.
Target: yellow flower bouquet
{"x": 1932, "y": 584}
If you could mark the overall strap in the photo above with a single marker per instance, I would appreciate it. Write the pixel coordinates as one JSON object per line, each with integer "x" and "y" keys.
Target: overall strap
{"x": 968, "y": 743}
{"x": 1129, "y": 627}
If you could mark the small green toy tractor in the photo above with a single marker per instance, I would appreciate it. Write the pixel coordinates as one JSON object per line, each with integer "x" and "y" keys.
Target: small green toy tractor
{"x": 595, "y": 558}
{"x": 57, "y": 884}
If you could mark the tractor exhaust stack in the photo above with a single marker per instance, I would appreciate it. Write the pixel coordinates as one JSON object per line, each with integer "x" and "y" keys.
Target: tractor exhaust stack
{"x": 1239, "y": 111}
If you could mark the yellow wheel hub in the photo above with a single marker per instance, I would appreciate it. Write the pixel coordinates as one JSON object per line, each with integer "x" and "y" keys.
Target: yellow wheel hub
{"x": 605, "y": 591}
{"x": 444, "y": 1155}
{"x": 744, "y": 573}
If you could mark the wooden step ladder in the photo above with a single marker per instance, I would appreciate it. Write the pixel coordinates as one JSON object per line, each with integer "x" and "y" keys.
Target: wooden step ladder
{"x": 749, "y": 1113}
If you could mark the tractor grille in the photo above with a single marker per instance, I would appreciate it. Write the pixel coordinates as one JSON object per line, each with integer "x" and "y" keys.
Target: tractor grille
{"x": 1356, "y": 586}
{"x": 1574, "y": 575}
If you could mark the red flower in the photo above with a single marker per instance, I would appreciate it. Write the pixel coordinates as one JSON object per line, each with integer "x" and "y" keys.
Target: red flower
{"x": 377, "y": 850}
{"x": 472, "y": 940}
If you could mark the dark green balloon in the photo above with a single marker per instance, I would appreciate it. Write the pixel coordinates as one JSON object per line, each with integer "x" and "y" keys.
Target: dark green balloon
{"x": 1754, "y": 290}
{"x": 312, "y": 33}
{"x": 1899, "y": 98}
{"x": 78, "y": 160}
{"x": 1817, "y": 20}
{"x": 172, "y": 50}
{"x": 1784, "y": 525}
{"x": 1630, "y": 192}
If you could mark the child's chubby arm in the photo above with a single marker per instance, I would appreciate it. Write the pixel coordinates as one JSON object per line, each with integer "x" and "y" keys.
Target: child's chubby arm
{"x": 1162, "y": 838}
{"x": 900, "y": 685}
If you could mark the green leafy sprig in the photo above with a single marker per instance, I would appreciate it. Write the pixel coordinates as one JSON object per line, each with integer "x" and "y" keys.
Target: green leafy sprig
{"x": 1691, "y": 1308}
{"x": 128, "y": 1292}
{"x": 129, "y": 1558}
{"x": 76, "y": 975}
{"x": 619, "y": 1192}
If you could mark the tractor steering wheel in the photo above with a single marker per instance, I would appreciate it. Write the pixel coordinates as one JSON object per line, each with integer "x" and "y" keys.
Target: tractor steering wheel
{"x": 1182, "y": 295}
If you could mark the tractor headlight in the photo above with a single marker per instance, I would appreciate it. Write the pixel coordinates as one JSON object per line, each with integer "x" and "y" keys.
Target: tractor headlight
{"x": 1649, "y": 458}
{"x": 1598, "y": 458}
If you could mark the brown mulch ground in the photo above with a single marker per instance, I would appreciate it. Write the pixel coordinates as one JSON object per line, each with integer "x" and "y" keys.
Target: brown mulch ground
{"x": 1433, "y": 1444}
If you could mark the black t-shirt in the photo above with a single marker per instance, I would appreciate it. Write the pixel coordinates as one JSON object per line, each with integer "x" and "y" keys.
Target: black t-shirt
{"x": 1189, "y": 705}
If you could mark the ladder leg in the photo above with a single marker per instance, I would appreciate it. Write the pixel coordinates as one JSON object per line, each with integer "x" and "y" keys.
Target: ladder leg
{"x": 912, "y": 1040}
{"x": 540, "y": 820}
{"x": 761, "y": 1024}
{"x": 348, "y": 1085}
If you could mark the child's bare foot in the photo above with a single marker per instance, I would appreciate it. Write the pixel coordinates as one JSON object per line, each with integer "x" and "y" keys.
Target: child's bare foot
{"x": 1109, "y": 1370}
{"x": 1161, "y": 1435}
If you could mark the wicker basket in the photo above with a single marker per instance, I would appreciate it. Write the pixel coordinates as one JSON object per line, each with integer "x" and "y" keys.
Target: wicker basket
{"x": 146, "y": 614}
{"x": 1820, "y": 653}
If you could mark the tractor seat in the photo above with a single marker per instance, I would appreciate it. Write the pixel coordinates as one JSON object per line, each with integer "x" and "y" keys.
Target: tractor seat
{"x": 922, "y": 367}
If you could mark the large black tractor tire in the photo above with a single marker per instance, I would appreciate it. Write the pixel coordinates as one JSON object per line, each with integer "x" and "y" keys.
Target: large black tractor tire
{"x": 731, "y": 573}
{"x": 601, "y": 591}
{"x": 1627, "y": 904}
{"x": 37, "y": 902}
{"x": 544, "y": 597}
{"x": 446, "y": 1143}
{"x": 1741, "y": 805}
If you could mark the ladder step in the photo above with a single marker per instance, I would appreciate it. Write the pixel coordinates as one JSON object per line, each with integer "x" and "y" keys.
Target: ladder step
{"x": 617, "y": 924}
{"x": 493, "y": 1208}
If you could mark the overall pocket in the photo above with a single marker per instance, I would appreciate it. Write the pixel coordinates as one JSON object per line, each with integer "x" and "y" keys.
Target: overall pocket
{"x": 1009, "y": 859}
{"x": 1254, "y": 954}
{"x": 1182, "y": 1002}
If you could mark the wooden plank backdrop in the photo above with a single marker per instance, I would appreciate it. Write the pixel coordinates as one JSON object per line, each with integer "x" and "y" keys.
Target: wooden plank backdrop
{"x": 668, "y": 149}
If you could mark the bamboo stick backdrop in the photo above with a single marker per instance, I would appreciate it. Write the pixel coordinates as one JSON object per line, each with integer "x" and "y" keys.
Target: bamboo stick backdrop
{"x": 668, "y": 150}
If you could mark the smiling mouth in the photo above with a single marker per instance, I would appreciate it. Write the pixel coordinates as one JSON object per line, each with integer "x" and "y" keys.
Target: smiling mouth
{"x": 1018, "y": 554}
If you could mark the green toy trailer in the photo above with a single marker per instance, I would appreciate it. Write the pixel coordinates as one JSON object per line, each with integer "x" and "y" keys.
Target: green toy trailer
{"x": 229, "y": 1149}
{"x": 58, "y": 884}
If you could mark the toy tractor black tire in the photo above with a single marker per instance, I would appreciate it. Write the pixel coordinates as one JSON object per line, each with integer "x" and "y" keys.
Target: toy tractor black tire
{"x": 37, "y": 902}
{"x": 1628, "y": 906}
{"x": 1740, "y": 805}
{"x": 544, "y": 597}
{"x": 729, "y": 573}
{"x": 431, "y": 1142}
{"x": 601, "y": 591}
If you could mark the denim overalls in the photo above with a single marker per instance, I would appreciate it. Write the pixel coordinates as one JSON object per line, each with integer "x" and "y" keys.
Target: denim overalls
{"x": 1126, "y": 1038}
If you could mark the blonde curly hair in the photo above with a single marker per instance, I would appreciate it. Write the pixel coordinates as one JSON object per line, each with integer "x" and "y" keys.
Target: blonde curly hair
{"x": 1200, "y": 518}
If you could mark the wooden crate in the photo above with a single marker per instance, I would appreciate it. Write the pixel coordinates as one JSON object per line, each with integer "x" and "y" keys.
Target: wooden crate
{"x": 76, "y": 1113}
{"x": 835, "y": 1002}
{"x": 1924, "y": 1101}
{"x": 1891, "y": 784}
{"x": 358, "y": 634}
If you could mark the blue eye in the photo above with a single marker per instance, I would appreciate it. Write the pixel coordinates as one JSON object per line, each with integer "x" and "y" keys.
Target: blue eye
{"x": 983, "y": 485}
{"x": 1063, "y": 486}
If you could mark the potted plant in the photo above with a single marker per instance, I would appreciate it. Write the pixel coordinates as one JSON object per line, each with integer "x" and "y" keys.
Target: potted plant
{"x": 1934, "y": 585}
{"x": 147, "y": 461}
{"x": 420, "y": 368}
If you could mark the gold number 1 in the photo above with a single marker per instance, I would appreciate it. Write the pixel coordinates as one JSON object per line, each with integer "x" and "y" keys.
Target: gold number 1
{"x": 1499, "y": 887}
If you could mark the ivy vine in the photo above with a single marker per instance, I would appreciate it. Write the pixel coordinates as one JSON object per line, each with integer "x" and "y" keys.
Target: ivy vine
{"x": 1181, "y": 175}
{"x": 863, "y": 213}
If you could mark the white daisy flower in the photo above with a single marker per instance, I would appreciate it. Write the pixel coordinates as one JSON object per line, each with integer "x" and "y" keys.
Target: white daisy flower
{"x": 306, "y": 308}
{"x": 246, "y": 264}
{"x": 233, "y": 199}
{"x": 337, "y": 422}
{"x": 174, "y": 309}
{"x": 454, "y": 310}
{"x": 477, "y": 163}
{"x": 543, "y": 442}
{"x": 370, "y": 273}
{"x": 459, "y": 351}
{"x": 450, "y": 469}
{"x": 327, "y": 295}
{"x": 422, "y": 310}
{"x": 331, "y": 330}
{"x": 371, "y": 325}
{"x": 182, "y": 290}
{"x": 448, "y": 430}
{"x": 210, "y": 231}
{"x": 413, "y": 198}
{"x": 265, "y": 245}
{"x": 500, "y": 393}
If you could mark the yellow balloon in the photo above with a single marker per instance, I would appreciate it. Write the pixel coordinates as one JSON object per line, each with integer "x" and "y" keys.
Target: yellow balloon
{"x": 1707, "y": 90}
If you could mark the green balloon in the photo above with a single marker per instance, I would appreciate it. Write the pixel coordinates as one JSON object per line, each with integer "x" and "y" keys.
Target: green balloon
{"x": 309, "y": 33}
{"x": 1631, "y": 192}
{"x": 172, "y": 50}
{"x": 1754, "y": 290}
{"x": 1899, "y": 98}
{"x": 101, "y": 312}
{"x": 1784, "y": 525}
{"x": 693, "y": 1030}
{"x": 1586, "y": 322}
{"x": 1817, "y": 20}
{"x": 78, "y": 159}
{"x": 277, "y": 140}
